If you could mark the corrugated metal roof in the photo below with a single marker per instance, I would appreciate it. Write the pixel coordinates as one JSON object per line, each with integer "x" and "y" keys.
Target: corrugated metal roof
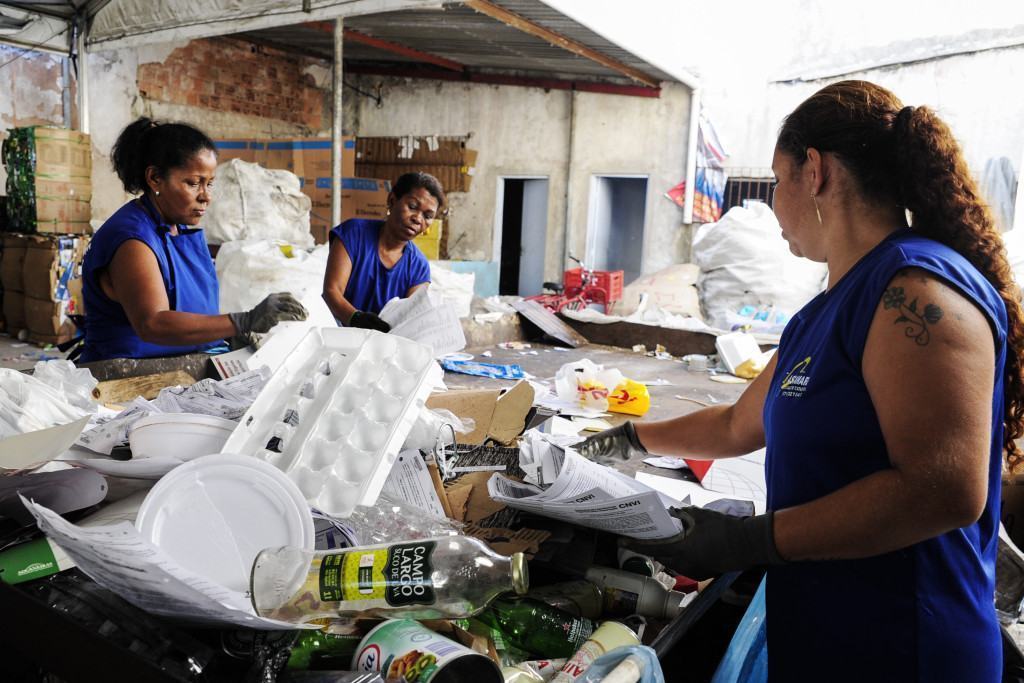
{"x": 481, "y": 43}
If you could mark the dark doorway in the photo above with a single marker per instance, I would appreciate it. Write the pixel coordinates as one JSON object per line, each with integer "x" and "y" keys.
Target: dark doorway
{"x": 511, "y": 236}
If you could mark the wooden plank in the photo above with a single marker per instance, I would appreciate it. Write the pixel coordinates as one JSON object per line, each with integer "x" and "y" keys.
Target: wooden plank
{"x": 146, "y": 386}
{"x": 548, "y": 324}
{"x": 526, "y": 26}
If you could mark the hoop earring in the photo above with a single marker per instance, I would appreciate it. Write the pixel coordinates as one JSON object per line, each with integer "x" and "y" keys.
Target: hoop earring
{"x": 816, "y": 209}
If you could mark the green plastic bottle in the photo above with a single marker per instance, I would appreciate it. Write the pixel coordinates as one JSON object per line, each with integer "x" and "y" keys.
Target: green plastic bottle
{"x": 537, "y": 627}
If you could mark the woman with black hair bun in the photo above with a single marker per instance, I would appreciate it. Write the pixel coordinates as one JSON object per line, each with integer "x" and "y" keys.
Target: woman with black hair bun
{"x": 149, "y": 283}
{"x": 372, "y": 262}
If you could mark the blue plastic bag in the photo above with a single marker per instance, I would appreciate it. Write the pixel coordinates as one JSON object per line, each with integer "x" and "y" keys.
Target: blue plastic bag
{"x": 478, "y": 369}
{"x": 746, "y": 658}
{"x": 645, "y": 657}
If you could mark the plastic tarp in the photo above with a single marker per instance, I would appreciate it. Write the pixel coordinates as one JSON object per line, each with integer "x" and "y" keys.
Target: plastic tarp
{"x": 252, "y": 202}
{"x": 130, "y": 23}
{"x": 745, "y": 263}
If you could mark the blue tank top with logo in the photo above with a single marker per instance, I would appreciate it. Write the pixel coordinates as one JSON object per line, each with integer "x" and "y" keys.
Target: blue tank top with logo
{"x": 923, "y": 613}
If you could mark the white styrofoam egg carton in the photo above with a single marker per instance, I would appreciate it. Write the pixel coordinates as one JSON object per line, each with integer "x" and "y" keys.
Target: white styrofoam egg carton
{"x": 334, "y": 416}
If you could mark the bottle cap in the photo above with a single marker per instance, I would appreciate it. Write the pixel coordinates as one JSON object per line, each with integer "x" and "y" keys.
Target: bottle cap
{"x": 520, "y": 574}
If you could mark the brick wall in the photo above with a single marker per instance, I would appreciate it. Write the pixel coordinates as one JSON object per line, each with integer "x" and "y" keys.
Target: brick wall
{"x": 229, "y": 75}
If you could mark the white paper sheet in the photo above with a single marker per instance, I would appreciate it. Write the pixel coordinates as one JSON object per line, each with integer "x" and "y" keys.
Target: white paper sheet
{"x": 680, "y": 489}
{"x": 590, "y": 495}
{"x": 419, "y": 318}
{"x": 24, "y": 451}
{"x": 119, "y": 559}
{"x": 741, "y": 477}
{"x": 410, "y": 481}
{"x": 667, "y": 462}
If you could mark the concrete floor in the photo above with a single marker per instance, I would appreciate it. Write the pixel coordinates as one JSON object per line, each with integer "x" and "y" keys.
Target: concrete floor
{"x": 20, "y": 355}
{"x": 695, "y": 386}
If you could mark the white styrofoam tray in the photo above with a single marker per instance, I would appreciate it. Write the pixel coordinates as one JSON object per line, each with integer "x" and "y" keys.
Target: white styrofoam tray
{"x": 334, "y": 416}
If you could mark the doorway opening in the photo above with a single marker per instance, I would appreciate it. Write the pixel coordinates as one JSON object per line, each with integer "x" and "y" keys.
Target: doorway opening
{"x": 615, "y": 229}
{"x": 521, "y": 216}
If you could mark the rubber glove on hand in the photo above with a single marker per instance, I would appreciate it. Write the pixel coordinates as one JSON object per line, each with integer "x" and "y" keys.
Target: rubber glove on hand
{"x": 269, "y": 312}
{"x": 612, "y": 445}
{"x": 712, "y": 543}
{"x": 368, "y": 321}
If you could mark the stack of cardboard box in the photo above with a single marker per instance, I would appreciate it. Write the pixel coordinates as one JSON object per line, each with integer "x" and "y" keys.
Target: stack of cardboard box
{"x": 446, "y": 158}
{"x": 310, "y": 160}
{"x": 49, "y": 180}
{"x": 35, "y": 271}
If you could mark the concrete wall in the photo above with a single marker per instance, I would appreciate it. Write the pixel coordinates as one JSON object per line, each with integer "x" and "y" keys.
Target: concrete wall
{"x": 32, "y": 88}
{"x": 525, "y": 131}
{"x": 224, "y": 86}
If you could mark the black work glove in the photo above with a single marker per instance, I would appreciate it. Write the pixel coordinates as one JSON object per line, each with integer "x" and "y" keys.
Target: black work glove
{"x": 612, "y": 445}
{"x": 368, "y": 321}
{"x": 712, "y": 543}
{"x": 269, "y": 312}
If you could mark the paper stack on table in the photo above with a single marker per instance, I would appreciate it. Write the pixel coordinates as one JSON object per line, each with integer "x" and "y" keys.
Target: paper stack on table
{"x": 584, "y": 493}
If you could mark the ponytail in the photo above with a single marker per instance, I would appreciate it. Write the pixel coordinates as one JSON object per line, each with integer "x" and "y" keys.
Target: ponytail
{"x": 945, "y": 205}
{"x": 907, "y": 156}
{"x": 144, "y": 143}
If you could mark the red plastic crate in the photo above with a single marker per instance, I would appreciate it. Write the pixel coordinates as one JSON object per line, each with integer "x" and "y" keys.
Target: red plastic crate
{"x": 609, "y": 280}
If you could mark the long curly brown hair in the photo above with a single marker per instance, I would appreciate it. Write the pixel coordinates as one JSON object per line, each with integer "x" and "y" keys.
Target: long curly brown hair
{"x": 909, "y": 157}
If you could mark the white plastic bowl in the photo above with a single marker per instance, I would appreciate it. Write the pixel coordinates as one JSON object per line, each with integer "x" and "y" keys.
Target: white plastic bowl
{"x": 183, "y": 436}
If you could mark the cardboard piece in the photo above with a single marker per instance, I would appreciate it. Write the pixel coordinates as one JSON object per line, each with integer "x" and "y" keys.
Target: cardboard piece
{"x": 506, "y": 541}
{"x": 360, "y": 198}
{"x": 548, "y": 324}
{"x": 305, "y": 157}
{"x": 478, "y": 505}
{"x": 499, "y": 415}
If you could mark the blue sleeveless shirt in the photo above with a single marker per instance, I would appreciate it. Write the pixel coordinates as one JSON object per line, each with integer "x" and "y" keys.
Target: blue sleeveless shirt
{"x": 371, "y": 284}
{"x": 185, "y": 265}
{"x": 923, "y": 613}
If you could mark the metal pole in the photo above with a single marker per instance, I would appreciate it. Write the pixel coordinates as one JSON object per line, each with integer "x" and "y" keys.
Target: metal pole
{"x": 691, "y": 156}
{"x": 336, "y": 131}
{"x": 567, "y": 238}
{"x": 83, "y": 79}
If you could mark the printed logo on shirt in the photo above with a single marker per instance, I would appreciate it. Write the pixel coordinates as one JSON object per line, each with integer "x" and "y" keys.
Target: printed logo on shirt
{"x": 795, "y": 383}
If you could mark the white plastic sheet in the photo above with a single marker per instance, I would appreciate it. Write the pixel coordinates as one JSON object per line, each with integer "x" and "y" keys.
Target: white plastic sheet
{"x": 744, "y": 261}
{"x": 252, "y": 202}
{"x": 249, "y": 270}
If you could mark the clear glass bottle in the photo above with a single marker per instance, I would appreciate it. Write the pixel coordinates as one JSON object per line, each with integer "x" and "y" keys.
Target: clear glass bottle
{"x": 446, "y": 577}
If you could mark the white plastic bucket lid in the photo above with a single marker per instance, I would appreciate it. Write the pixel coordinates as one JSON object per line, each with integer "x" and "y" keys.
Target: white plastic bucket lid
{"x": 213, "y": 516}
{"x": 184, "y": 418}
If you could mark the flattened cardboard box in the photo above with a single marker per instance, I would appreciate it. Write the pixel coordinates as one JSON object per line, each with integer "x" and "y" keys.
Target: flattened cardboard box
{"x": 497, "y": 414}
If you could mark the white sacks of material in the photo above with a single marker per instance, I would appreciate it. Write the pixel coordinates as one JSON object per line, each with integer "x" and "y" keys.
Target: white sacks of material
{"x": 249, "y": 270}
{"x": 745, "y": 263}
{"x": 251, "y": 202}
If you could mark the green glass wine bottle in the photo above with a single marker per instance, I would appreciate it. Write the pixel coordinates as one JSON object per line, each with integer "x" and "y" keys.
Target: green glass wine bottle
{"x": 537, "y": 627}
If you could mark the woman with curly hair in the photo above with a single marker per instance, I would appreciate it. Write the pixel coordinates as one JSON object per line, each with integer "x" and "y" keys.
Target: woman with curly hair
{"x": 886, "y": 411}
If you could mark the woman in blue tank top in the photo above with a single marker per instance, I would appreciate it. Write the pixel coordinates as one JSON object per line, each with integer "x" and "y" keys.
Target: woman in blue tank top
{"x": 886, "y": 411}
{"x": 149, "y": 284}
{"x": 372, "y": 262}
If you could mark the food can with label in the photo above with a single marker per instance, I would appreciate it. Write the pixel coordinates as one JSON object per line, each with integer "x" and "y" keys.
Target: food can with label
{"x": 405, "y": 650}
{"x": 610, "y": 635}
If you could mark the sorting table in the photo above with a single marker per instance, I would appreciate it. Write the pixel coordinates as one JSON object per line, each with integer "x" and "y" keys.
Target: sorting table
{"x": 52, "y": 633}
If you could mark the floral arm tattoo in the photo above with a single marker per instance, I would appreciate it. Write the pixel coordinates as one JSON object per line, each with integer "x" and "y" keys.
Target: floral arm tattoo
{"x": 917, "y": 322}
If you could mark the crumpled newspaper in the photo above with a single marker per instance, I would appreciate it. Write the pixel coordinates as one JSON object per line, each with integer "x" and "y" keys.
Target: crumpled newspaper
{"x": 228, "y": 399}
